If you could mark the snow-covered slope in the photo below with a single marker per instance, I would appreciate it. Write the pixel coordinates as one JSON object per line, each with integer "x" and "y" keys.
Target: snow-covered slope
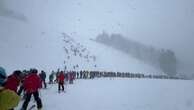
{"x": 47, "y": 52}
{"x": 95, "y": 56}
{"x": 38, "y": 42}
{"x": 120, "y": 94}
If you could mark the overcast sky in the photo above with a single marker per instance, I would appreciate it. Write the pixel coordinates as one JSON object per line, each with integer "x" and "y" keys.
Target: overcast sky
{"x": 161, "y": 23}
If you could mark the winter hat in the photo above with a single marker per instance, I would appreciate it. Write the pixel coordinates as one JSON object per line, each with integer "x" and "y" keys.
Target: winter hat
{"x": 18, "y": 73}
{"x": 2, "y": 75}
{"x": 33, "y": 70}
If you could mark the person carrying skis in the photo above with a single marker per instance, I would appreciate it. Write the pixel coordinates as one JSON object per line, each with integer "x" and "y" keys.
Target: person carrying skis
{"x": 32, "y": 83}
{"x": 8, "y": 98}
{"x": 61, "y": 78}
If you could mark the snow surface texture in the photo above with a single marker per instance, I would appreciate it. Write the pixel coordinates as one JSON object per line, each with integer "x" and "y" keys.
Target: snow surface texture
{"x": 120, "y": 94}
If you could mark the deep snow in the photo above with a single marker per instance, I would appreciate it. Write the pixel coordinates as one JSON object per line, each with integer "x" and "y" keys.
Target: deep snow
{"x": 121, "y": 94}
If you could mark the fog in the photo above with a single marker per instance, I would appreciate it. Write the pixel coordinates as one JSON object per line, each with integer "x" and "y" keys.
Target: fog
{"x": 164, "y": 24}
{"x": 164, "y": 60}
{"x": 5, "y": 12}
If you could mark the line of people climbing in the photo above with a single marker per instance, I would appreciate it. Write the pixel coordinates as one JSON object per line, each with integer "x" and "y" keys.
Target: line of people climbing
{"x": 103, "y": 74}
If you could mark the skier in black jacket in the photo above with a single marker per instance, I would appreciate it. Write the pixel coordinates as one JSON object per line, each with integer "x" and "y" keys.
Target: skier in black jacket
{"x": 43, "y": 78}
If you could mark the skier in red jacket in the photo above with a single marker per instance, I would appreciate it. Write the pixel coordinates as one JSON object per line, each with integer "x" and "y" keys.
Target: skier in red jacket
{"x": 61, "y": 78}
{"x": 32, "y": 83}
{"x": 13, "y": 81}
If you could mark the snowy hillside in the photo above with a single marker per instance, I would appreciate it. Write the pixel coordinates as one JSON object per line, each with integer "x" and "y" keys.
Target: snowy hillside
{"x": 47, "y": 52}
{"x": 56, "y": 34}
{"x": 120, "y": 94}
{"x": 38, "y": 41}
{"x": 20, "y": 50}
{"x": 89, "y": 55}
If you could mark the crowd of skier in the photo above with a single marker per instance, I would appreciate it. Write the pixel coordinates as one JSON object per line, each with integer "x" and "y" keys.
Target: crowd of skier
{"x": 13, "y": 85}
{"x": 26, "y": 83}
{"x": 23, "y": 84}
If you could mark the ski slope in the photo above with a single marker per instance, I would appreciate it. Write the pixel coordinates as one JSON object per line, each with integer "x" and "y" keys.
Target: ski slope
{"x": 21, "y": 50}
{"x": 38, "y": 42}
{"x": 107, "y": 58}
{"x": 26, "y": 48}
{"x": 120, "y": 94}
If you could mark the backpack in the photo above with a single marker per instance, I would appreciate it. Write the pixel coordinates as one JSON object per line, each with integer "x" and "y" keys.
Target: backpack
{"x": 8, "y": 99}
